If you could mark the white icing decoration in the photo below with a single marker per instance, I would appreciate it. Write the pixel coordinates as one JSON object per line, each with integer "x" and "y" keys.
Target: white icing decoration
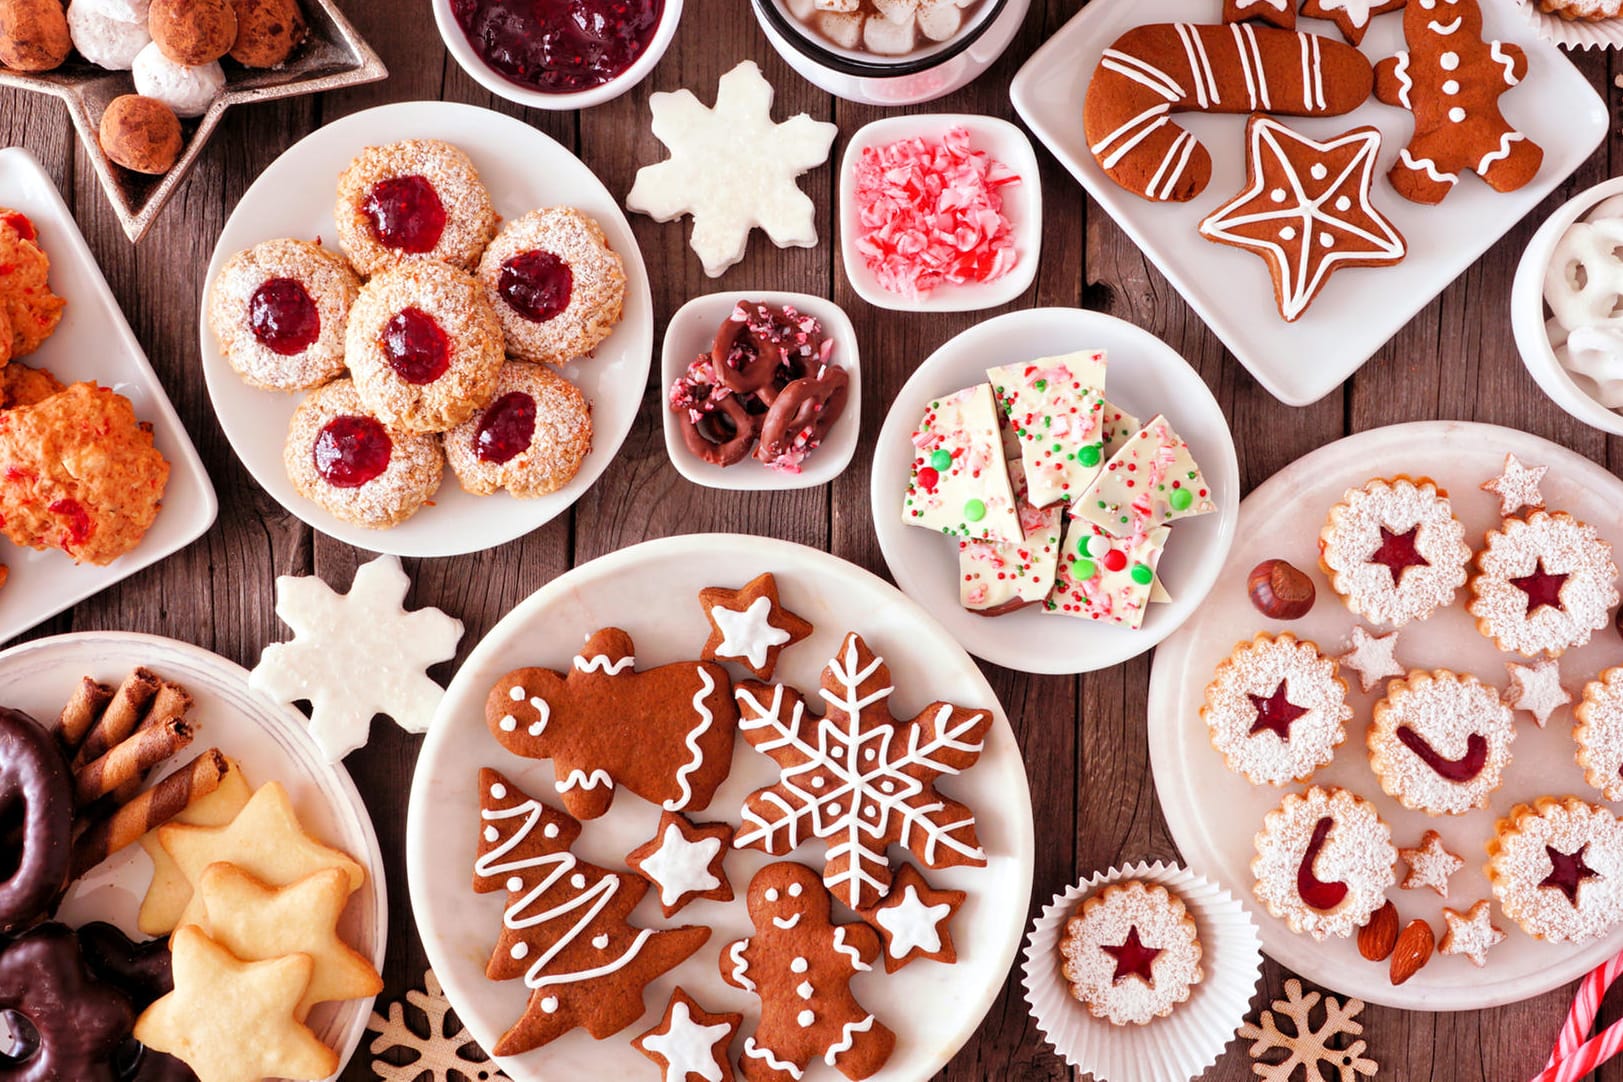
{"x": 550, "y": 1004}
{"x": 707, "y": 684}
{"x": 842, "y": 947}
{"x": 689, "y": 1048}
{"x": 491, "y": 834}
{"x": 498, "y": 791}
{"x": 805, "y": 1018}
{"x": 1456, "y": 114}
{"x": 741, "y": 965}
{"x": 755, "y": 1051}
{"x": 799, "y": 965}
{"x": 847, "y": 1038}
{"x": 805, "y": 990}
{"x": 1500, "y": 152}
{"x": 1496, "y": 50}
{"x": 912, "y": 924}
{"x": 579, "y": 779}
{"x": 1445, "y": 30}
{"x": 600, "y": 942}
{"x": 518, "y": 951}
{"x": 680, "y": 866}
{"x": 601, "y": 663}
{"x": 550, "y": 830}
{"x": 516, "y": 693}
{"x": 749, "y": 634}
{"x": 786, "y": 923}
{"x": 1449, "y": 61}
{"x": 1427, "y": 166}
{"x": 508, "y": 723}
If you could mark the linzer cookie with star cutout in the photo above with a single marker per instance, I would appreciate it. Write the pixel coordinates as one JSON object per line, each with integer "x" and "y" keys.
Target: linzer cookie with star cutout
{"x": 1324, "y": 862}
{"x": 1277, "y": 709}
{"x": 1393, "y": 550}
{"x": 1440, "y": 742}
{"x": 1599, "y": 732}
{"x": 1544, "y": 584}
{"x": 1131, "y": 953}
{"x": 1556, "y": 868}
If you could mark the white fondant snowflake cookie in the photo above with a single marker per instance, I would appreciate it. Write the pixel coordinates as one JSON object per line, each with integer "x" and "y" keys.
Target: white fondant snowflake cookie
{"x": 357, "y": 654}
{"x": 732, "y": 169}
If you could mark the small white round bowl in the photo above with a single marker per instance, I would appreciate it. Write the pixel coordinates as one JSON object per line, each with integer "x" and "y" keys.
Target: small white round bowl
{"x": 1023, "y": 203}
{"x": 457, "y": 42}
{"x": 691, "y": 331}
{"x": 1527, "y": 313}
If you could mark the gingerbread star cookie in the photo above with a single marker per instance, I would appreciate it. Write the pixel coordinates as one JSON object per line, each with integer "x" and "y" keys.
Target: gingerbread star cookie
{"x": 1352, "y": 17}
{"x": 1471, "y": 933}
{"x": 750, "y": 625}
{"x": 684, "y": 862}
{"x": 1517, "y": 486}
{"x": 690, "y": 1044}
{"x": 1430, "y": 865}
{"x": 1306, "y": 210}
{"x": 1280, "y": 13}
{"x": 233, "y": 1021}
{"x": 913, "y": 920}
{"x": 1537, "y": 689}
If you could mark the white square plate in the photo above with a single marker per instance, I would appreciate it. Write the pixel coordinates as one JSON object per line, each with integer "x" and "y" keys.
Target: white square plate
{"x": 94, "y": 342}
{"x": 1359, "y": 309}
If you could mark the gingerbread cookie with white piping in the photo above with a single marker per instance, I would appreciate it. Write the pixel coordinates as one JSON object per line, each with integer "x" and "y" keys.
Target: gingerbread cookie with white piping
{"x": 1280, "y": 13}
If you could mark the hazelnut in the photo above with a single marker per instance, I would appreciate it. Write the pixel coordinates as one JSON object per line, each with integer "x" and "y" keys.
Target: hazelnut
{"x": 193, "y": 32}
{"x": 33, "y": 34}
{"x": 267, "y": 32}
{"x": 1279, "y": 591}
{"x": 139, "y": 133}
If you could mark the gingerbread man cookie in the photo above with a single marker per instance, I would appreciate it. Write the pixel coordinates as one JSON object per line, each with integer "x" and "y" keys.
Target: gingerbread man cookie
{"x": 1451, "y": 79}
{"x": 750, "y": 625}
{"x": 800, "y": 964}
{"x": 665, "y": 733}
{"x": 1280, "y": 13}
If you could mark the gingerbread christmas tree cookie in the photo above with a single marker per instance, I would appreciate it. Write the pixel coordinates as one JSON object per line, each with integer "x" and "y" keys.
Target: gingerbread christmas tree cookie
{"x": 958, "y": 483}
{"x": 1152, "y": 481}
{"x": 1055, "y": 407}
{"x": 750, "y": 625}
{"x": 1105, "y": 578}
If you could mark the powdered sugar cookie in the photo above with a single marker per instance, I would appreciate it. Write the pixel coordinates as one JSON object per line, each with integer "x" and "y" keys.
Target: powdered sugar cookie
{"x": 1324, "y": 861}
{"x": 279, "y": 311}
{"x": 1536, "y": 689}
{"x": 1471, "y": 933}
{"x": 1517, "y": 486}
{"x": 1277, "y": 709}
{"x": 1430, "y": 865}
{"x": 556, "y": 286}
{"x": 1556, "y": 867}
{"x": 1394, "y": 550}
{"x": 1599, "y": 733}
{"x": 1440, "y": 742}
{"x": 530, "y": 439}
{"x": 1132, "y": 953}
{"x": 413, "y": 200}
{"x": 1372, "y": 657}
{"x": 1543, "y": 584}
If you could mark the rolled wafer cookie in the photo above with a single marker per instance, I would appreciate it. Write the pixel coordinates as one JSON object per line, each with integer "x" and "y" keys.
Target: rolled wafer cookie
{"x": 159, "y": 804}
{"x": 134, "y": 757}
{"x": 1162, "y": 68}
{"x": 122, "y": 716}
{"x": 79, "y": 716}
{"x": 171, "y": 701}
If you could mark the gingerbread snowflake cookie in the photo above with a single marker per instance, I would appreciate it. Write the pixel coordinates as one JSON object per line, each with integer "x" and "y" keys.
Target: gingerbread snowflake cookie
{"x": 1556, "y": 867}
{"x": 1471, "y": 934}
{"x": 1599, "y": 732}
{"x": 1544, "y": 584}
{"x": 684, "y": 861}
{"x": 1131, "y": 953}
{"x": 1324, "y": 861}
{"x": 690, "y": 1044}
{"x": 1277, "y": 709}
{"x": 1430, "y": 865}
{"x": 1393, "y": 550}
{"x": 750, "y": 625}
{"x": 1439, "y": 742}
{"x": 914, "y": 920}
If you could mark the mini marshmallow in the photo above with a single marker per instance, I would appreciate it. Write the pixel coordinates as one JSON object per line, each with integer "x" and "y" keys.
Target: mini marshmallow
{"x": 188, "y": 91}
{"x": 109, "y": 33}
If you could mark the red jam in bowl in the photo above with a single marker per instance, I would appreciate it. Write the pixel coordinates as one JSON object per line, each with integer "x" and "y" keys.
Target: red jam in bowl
{"x": 558, "y": 46}
{"x": 283, "y": 317}
{"x": 350, "y": 450}
{"x": 507, "y": 428}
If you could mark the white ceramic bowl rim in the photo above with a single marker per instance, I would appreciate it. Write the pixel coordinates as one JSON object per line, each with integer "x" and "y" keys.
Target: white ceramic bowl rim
{"x": 806, "y": 41}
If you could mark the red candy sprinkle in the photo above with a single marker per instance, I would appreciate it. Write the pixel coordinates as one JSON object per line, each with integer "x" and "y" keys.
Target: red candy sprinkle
{"x": 406, "y": 214}
{"x": 1115, "y": 560}
{"x": 536, "y": 285}
{"x": 929, "y": 478}
{"x": 506, "y": 428}
{"x": 416, "y": 347}
{"x": 350, "y": 451}
{"x": 283, "y": 317}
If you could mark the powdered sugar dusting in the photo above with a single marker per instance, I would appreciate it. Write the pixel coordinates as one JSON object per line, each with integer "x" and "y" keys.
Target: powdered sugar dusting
{"x": 1519, "y": 861}
{"x": 1517, "y": 486}
{"x": 1471, "y": 933}
{"x": 1445, "y": 710}
{"x": 1353, "y": 534}
{"x": 1372, "y": 657}
{"x": 1562, "y": 546}
{"x": 1358, "y": 852}
{"x": 1311, "y": 682}
{"x": 1536, "y": 689}
{"x": 1599, "y": 733}
{"x": 1105, "y": 919}
{"x": 1430, "y": 865}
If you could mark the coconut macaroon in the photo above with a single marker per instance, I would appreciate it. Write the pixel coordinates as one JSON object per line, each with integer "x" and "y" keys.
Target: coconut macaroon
{"x": 530, "y": 440}
{"x": 557, "y": 286}
{"x": 418, "y": 199}
{"x": 279, "y": 311}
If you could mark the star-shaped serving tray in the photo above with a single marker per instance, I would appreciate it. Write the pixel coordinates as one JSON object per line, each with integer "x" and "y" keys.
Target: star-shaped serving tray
{"x": 332, "y": 56}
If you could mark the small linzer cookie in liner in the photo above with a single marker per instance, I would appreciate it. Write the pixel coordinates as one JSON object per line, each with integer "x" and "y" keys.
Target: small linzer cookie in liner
{"x": 1131, "y": 953}
{"x": 1276, "y": 709}
{"x": 685, "y": 861}
{"x": 1153, "y": 480}
{"x": 1324, "y": 861}
{"x": 914, "y": 920}
{"x": 413, "y": 200}
{"x": 958, "y": 482}
{"x": 1439, "y": 742}
{"x": 1393, "y": 550}
{"x": 279, "y": 311}
{"x": 1543, "y": 585}
{"x": 530, "y": 439}
{"x": 1556, "y": 868}
{"x": 799, "y": 964}
{"x": 1055, "y": 408}
{"x": 665, "y": 733}
{"x": 750, "y": 625}
{"x": 1599, "y": 732}
{"x": 565, "y": 928}
{"x": 556, "y": 286}
{"x": 690, "y": 1043}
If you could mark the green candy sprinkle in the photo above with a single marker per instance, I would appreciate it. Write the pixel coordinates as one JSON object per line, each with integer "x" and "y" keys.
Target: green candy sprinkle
{"x": 1084, "y": 570}
{"x": 1090, "y": 455}
{"x": 974, "y": 510}
{"x": 1180, "y": 499}
{"x": 941, "y": 460}
{"x": 1142, "y": 575}
{"x": 1041, "y": 385}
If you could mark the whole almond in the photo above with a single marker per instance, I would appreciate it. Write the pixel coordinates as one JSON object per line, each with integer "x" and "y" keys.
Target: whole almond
{"x": 1377, "y": 937}
{"x": 1412, "y": 951}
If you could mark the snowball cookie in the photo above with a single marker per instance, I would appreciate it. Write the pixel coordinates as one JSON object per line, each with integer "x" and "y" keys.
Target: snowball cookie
{"x": 139, "y": 133}
{"x": 193, "y": 32}
{"x": 530, "y": 440}
{"x": 33, "y": 35}
{"x": 188, "y": 91}
{"x": 267, "y": 32}
{"x": 109, "y": 33}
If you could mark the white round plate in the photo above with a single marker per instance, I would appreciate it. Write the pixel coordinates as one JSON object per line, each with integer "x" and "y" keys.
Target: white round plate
{"x": 651, "y": 590}
{"x": 524, "y": 170}
{"x": 1146, "y": 376}
{"x": 268, "y": 741}
{"x": 1213, "y": 813}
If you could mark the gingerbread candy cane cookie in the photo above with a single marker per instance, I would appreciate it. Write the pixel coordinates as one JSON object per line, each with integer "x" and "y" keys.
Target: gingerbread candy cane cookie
{"x": 1152, "y": 71}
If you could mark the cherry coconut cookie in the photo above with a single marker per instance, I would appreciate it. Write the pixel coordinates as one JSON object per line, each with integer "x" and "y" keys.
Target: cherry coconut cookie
{"x": 344, "y": 459}
{"x": 1599, "y": 732}
{"x": 1131, "y": 953}
{"x": 1544, "y": 584}
{"x": 1439, "y": 742}
{"x": 1556, "y": 867}
{"x": 1393, "y": 550}
{"x": 1277, "y": 709}
{"x": 531, "y": 439}
{"x": 555, "y": 284}
{"x": 1324, "y": 862}
{"x": 424, "y": 346}
{"x": 279, "y": 311}
{"x": 413, "y": 200}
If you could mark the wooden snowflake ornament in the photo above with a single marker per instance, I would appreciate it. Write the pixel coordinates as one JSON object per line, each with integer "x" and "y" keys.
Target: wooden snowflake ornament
{"x": 447, "y": 1052}
{"x": 1316, "y": 1050}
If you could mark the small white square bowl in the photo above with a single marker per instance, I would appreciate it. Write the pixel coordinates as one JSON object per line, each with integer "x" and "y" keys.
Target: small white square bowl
{"x": 1023, "y": 203}
{"x": 690, "y": 333}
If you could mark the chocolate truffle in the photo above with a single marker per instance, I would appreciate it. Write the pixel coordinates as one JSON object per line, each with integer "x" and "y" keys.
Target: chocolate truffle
{"x": 193, "y": 32}
{"x": 267, "y": 32}
{"x": 33, "y": 34}
{"x": 139, "y": 133}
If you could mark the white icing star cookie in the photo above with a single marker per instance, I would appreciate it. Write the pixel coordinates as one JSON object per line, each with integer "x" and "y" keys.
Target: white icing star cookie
{"x": 1471, "y": 933}
{"x": 1373, "y": 657}
{"x": 690, "y": 1042}
{"x": 1517, "y": 486}
{"x": 684, "y": 862}
{"x": 1430, "y": 865}
{"x": 1536, "y": 689}
{"x": 732, "y": 169}
{"x": 357, "y": 654}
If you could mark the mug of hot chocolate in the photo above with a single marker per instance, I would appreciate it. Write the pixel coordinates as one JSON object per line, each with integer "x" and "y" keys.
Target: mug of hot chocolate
{"x": 890, "y": 52}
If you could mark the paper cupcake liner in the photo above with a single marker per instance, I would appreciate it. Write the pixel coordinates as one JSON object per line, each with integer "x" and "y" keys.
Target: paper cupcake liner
{"x": 1573, "y": 33}
{"x": 1186, "y": 1042}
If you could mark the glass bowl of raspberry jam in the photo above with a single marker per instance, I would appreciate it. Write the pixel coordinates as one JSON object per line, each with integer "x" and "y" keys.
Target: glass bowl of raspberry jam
{"x": 557, "y": 54}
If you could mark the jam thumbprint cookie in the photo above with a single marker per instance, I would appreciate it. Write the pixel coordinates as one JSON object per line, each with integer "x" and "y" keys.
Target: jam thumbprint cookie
{"x": 1131, "y": 953}
{"x": 1599, "y": 732}
{"x": 1324, "y": 862}
{"x": 1439, "y": 742}
{"x": 1277, "y": 709}
{"x": 341, "y": 457}
{"x": 279, "y": 310}
{"x": 413, "y": 200}
{"x": 556, "y": 285}
{"x": 1556, "y": 867}
{"x": 1543, "y": 584}
{"x": 1394, "y": 550}
{"x": 530, "y": 440}
{"x": 424, "y": 347}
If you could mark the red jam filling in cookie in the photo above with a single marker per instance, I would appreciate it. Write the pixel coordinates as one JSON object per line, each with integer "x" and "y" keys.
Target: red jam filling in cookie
{"x": 350, "y": 451}
{"x": 1133, "y": 958}
{"x": 558, "y": 46}
{"x": 1567, "y": 870}
{"x": 1315, "y": 891}
{"x": 406, "y": 214}
{"x": 1398, "y": 553}
{"x": 507, "y": 428}
{"x": 416, "y": 347}
{"x": 283, "y": 316}
{"x": 1275, "y": 713}
{"x": 1463, "y": 769}
{"x": 536, "y": 285}
{"x": 1541, "y": 587}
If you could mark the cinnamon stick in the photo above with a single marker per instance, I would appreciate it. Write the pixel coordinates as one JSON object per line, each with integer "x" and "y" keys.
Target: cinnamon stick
{"x": 149, "y": 810}
{"x": 130, "y": 760}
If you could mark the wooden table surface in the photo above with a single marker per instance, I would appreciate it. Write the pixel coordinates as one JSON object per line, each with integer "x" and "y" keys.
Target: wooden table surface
{"x": 1083, "y": 737}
